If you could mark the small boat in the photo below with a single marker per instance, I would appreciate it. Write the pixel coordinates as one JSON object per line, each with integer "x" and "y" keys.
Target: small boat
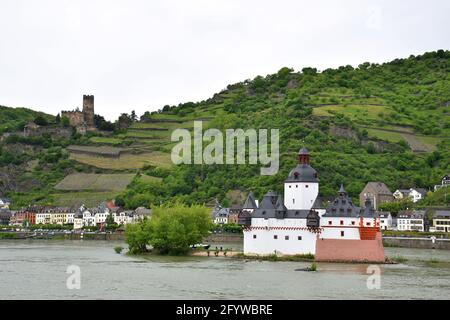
{"x": 200, "y": 245}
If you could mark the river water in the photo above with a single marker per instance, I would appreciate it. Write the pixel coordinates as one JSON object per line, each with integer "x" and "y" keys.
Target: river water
{"x": 37, "y": 270}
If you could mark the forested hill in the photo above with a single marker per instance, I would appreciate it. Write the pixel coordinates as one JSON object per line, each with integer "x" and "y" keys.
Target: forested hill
{"x": 377, "y": 122}
{"x": 385, "y": 122}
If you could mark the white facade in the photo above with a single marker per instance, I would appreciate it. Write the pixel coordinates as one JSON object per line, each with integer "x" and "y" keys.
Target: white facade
{"x": 415, "y": 195}
{"x": 121, "y": 217}
{"x": 4, "y": 203}
{"x": 344, "y": 227}
{"x": 279, "y": 236}
{"x": 78, "y": 223}
{"x": 410, "y": 224}
{"x": 385, "y": 221}
{"x": 100, "y": 217}
{"x": 300, "y": 195}
{"x": 88, "y": 219}
{"x": 43, "y": 218}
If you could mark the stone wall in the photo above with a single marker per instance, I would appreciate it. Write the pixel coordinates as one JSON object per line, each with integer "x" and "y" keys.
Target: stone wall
{"x": 422, "y": 243}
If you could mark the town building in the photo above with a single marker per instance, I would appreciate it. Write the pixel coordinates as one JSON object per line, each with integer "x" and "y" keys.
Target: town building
{"x": 415, "y": 220}
{"x": 417, "y": 194}
{"x": 234, "y": 212}
{"x": 220, "y": 215}
{"x": 5, "y": 203}
{"x": 441, "y": 221}
{"x": 401, "y": 194}
{"x": 293, "y": 225}
{"x": 385, "y": 220}
{"x": 5, "y": 217}
{"x": 414, "y": 194}
{"x": 25, "y": 216}
{"x": 445, "y": 182}
{"x": 377, "y": 192}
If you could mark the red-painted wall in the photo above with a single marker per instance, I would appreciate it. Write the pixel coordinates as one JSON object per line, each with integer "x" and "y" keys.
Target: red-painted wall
{"x": 350, "y": 250}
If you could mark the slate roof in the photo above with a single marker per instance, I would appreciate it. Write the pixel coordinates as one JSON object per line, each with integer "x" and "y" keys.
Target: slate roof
{"x": 379, "y": 187}
{"x": 408, "y": 214}
{"x": 442, "y": 214}
{"x": 250, "y": 203}
{"x": 422, "y": 191}
{"x": 342, "y": 206}
{"x": 302, "y": 173}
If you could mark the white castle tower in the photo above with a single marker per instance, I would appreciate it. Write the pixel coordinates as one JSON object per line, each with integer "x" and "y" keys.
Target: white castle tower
{"x": 301, "y": 188}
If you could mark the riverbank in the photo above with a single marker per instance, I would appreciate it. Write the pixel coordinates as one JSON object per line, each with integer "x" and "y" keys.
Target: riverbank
{"x": 215, "y": 239}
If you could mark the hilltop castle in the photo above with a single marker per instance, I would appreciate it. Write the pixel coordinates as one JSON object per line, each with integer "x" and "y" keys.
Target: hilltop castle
{"x": 299, "y": 223}
{"x": 82, "y": 120}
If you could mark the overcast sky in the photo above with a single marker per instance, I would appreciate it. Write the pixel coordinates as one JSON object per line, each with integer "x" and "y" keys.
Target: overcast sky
{"x": 142, "y": 54}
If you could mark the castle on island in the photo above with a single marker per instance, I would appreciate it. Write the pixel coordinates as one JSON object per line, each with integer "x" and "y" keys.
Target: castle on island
{"x": 299, "y": 224}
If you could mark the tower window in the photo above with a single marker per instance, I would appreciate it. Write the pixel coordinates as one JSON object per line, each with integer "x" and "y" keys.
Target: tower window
{"x": 342, "y": 222}
{"x": 306, "y": 186}
{"x": 289, "y": 187}
{"x": 275, "y": 237}
{"x": 293, "y": 200}
{"x": 330, "y": 223}
{"x": 296, "y": 185}
{"x": 286, "y": 237}
{"x": 342, "y": 233}
{"x": 254, "y": 236}
{"x": 299, "y": 238}
{"x": 353, "y": 223}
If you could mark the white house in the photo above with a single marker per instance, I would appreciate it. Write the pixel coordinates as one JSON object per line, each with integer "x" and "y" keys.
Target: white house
{"x": 123, "y": 217}
{"x": 220, "y": 215}
{"x": 5, "y": 203}
{"x": 445, "y": 182}
{"x": 411, "y": 220}
{"x": 385, "y": 220}
{"x": 417, "y": 194}
{"x": 441, "y": 221}
{"x": 43, "y": 218}
{"x": 400, "y": 194}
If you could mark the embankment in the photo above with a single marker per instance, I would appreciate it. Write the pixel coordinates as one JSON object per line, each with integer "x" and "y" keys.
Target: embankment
{"x": 421, "y": 243}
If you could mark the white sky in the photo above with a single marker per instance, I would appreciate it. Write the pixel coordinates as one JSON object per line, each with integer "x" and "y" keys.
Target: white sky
{"x": 142, "y": 54}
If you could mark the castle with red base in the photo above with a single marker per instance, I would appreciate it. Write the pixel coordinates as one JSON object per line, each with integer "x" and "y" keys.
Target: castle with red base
{"x": 298, "y": 224}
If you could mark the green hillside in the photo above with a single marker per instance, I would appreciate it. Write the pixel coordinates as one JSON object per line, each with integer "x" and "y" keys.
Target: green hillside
{"x": 378, "y": 122}
{"x": 12, "y": 119}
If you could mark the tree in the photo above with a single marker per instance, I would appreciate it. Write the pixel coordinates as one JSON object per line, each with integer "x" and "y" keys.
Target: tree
{"x": 134, "y": 116}
{"x": 171, "y": 230}
{"x": 175, "y": 229}
{"x": 40, "y": 121}
{"x": 65, "y": 121}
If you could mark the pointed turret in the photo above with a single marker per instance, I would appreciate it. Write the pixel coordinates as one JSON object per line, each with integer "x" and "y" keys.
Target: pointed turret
{"x": 250, "y": 203}
{"x": 303, "y": 156}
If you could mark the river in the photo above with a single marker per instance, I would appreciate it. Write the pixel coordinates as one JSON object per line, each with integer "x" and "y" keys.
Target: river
{"x": 34, "y": 269}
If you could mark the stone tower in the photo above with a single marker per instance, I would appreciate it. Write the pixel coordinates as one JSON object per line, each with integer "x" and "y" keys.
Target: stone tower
{"x": 88, "y": 110}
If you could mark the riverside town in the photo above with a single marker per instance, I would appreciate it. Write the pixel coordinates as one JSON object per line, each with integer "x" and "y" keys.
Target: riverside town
{"x": 230, "y": 162}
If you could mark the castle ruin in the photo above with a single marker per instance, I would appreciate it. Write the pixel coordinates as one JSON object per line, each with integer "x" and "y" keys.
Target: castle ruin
{"x": 82, "y": 120}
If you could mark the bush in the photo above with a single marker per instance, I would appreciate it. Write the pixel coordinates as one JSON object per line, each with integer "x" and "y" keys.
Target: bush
{"x": 118, "y": 249}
